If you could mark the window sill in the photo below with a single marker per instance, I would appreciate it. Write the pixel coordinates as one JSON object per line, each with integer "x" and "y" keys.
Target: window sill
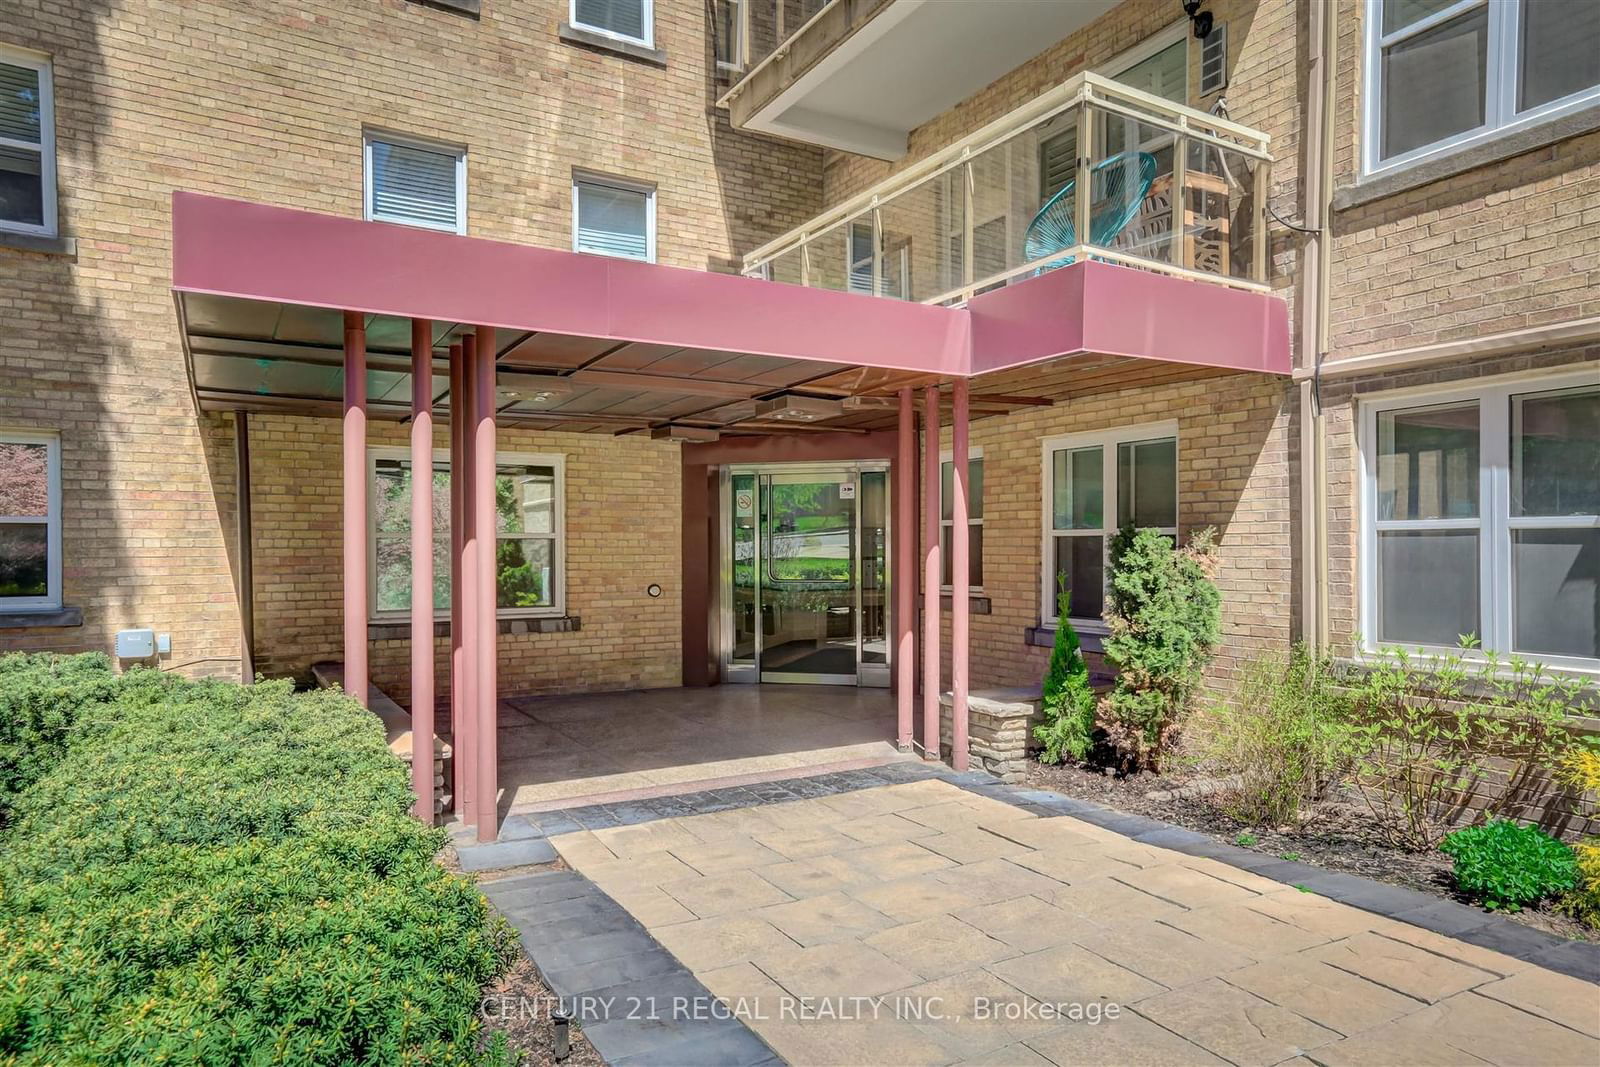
{"x": 460, "y": 7}
{"x": 977, "y": 603}
{"x": 24, "y": 620}
{"x": 45, "y": 246}
{"x": 1045, "y": 637}
{"x": 627, "y": 49}
{"x": 1449, "y": 164}
{"x": 400, "y": 629}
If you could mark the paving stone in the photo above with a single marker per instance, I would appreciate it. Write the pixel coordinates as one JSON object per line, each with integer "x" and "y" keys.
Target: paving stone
{"x": 769, "y": 792}
{"x": 733, "y": 854}
{"x": 650, "y": 905}
{"x": 803, "y": 844}
{"x": 1326, "y": 995}
{"x": 1574, "y": 958}
{"x": 639, "y": 1017}
{"x": 1445, "y": 917}
{"x": 849, "y": 969}
{"x": 868, "y": 802}
{"x": 644, "y": 838}
{"x": 746, "y": 988}
{"x": 1129, "y": 1040}
{"x": 1244, "y": 879}
{"x": 547, "y": 886}
{"x": 1163, "y": 953}
{"x": 720, "y": 894}
{"x": 1462, "y": 1028}
{"x": 814, "y": 877}
{"x": 501, "y": 854}
{"x": 1073, "y": 973}
{"x": 581, "y": 848}
{"x": 1250, "y": 931}
{"x": 1569, "y": 1001}
{"x": 996, "y": 812}
{"x": 1236, "y": 1025}
{"x": 938, "y": 947}
{"x": 633, "y": 813}
{"x": 1026, "y": 923}
{"x": 555, "y": 956}
{"x": 517, "y": 827}
{"x": 881, "y": 829}
{"x": 1318, "y": 914}
{"x": 887, "y": 862}
{"x": 806, "y": 787}
{"x": 1186, "y": 886}
{"x": 1010, "y": 1056}
{"x": 1069, "y": 865}
{"x": 669, "y": 807}
{"x": 1512, "y": 939}
{"x": 970, "y": 846}
{"x": 1173, "y": 837}
{"x": 578, "y": 979}
{"x": 651, "y": 868}
{"x": 826, "y": 919}
{"x": 1400, "y": 966}
{"x": 1052, "y": 834}
{"x": 958, "y": 1011}
{"x": 1483, "y": 959}
{"x": 709, "y": 944}
{"x": 553, "y": 822}
{"x": 593, "y": 816}
{"x": 859, "y": 1041}
{"x": 949, "y": 817}
{"x": 591, "y": 904}
{"x": 1110, "y": 900}
{"x": 988, "y": 881}
{"x": 911, "y": 899}
{"x": 726, "y": 1045}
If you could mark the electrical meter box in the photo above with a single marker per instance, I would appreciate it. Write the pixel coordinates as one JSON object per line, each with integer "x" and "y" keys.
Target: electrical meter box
{"x": 136, "y": 644}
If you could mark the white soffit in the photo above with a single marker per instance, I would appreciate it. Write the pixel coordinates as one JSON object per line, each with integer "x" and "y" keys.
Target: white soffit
{"x": 914, "y": 60}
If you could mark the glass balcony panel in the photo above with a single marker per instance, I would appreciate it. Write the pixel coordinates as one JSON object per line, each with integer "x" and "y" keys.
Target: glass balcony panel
{"x": 1008, "y": 191}
{"x": 1131, "y": 186}
{"x": 827, "y": 256}
{"x": 1219, "y": 211}
{"x": 922, "y": 232}
{"x": 787, "y": 267}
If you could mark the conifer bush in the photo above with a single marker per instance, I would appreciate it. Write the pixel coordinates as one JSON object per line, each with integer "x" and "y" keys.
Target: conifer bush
{"x": 220, "y": 874}
{"x": 1068, "y": 700}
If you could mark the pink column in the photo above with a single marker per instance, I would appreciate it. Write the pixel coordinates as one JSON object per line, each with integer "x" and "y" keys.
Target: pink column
{"x": 930, "y": 572}
{"x": 483, "y": 479}
{"x": 422, "y": 567}
{"x": 960, "y": 605}
{"x": 905, "y": 570}
{"x": 355, "y": 505}
{"x": 465, "y": 622}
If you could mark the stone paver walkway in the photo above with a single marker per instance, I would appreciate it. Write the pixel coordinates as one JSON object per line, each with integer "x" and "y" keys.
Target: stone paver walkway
{"x": 927, "y": 923}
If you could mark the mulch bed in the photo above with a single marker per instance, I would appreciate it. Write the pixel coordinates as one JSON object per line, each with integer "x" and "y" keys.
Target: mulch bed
{"x": 1337, "y": 834}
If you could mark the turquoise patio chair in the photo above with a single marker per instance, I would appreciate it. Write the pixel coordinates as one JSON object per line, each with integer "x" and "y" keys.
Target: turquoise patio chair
{"x": 1118, "y": 185}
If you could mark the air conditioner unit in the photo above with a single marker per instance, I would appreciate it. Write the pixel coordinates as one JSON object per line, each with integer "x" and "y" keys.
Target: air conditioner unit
{"x": 793, "y": 408}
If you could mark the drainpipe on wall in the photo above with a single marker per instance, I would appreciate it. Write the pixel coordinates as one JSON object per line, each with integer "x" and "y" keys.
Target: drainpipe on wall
{"x": 1313, "y": 325}
{"x": 246, "y": 550}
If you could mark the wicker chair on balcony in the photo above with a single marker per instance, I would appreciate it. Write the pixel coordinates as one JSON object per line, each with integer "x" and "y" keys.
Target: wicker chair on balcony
{"x": 1118, "y": 185}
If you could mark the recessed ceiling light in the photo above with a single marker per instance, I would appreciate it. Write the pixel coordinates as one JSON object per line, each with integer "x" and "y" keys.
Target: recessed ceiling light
{"x": 793, "y": 408}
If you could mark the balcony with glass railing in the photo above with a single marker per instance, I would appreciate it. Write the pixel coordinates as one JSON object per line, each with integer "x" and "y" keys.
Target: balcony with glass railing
{"x": 1170, "y": 189}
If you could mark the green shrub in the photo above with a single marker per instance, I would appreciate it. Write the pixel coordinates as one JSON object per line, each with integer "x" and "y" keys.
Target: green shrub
{"x": 1506, "y": 865}
{"x": 219, "y": 874}
{"x": 1581, "y": 770}
{"x": 42, "y": 701}
{"x": 1164, "y": 616}
{"x": 1432, "y": 732}
{"x": 1068, "y": 699}
{"x": 1285, "y": 735}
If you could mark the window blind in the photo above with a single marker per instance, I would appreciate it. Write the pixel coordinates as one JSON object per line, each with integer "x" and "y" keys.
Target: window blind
{"x": 19, "y": 104}
{"x": 625, "y": 18}
{"x": 613, "y": 221}
{"x": 414, "y": 185}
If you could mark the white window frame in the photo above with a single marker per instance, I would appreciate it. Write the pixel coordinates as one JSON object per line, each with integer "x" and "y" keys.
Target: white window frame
{"x": 1501, "y": 80}
{"x": 741, "y": 30}
{"x": 581, "y": 178}
{"x": 47, "y": 141}
{"x": 51, "y": 601}
{"x": 948, "y": 456}
{"x": 369, "y": 136}
{"x": 1494, "y": 522}
{"x": 647, "y": 20}
{"x": 554, "y": 460}
{"x": 1108, "y": 442}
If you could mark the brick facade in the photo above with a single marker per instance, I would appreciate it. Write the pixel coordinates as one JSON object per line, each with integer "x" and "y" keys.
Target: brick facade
{"x": 267, "y": 102}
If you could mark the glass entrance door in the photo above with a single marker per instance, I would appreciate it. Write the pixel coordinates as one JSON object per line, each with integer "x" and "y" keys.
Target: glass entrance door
{"x": 807, "y": 586}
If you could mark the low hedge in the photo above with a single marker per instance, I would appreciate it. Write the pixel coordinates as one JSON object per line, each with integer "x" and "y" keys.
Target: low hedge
{"x": 42, "y": 701}
{"x": 220, "y": 874}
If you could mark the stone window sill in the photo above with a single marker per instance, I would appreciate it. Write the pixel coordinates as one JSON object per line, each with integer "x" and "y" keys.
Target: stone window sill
{"x": 627, "y": 49}
{"x": 24, "y": 620}
{"x": 1437, "y": 168}
{"x": 460, "y": 7}
{"x": 392, "y": 630}
{"x": 41, "y": 245}
{"x": 1045, "y": 637}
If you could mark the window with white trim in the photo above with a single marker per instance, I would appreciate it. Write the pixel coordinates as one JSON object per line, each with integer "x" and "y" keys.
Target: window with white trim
{"x": 529, "y": 543}
{"x": 27, "y": 144}
{"x": 30, "y": 522}
{"x": 415, "y": 182}
{"x": 1481, "y": 514}
{"x": 947, "y": 474}
{"x": 730, "y": 34}
{"x": 626, "y": 20}
{"x": 1095, "y": 483}
{"x": 1445, "y": 74}
{"x": 612, "y": 217}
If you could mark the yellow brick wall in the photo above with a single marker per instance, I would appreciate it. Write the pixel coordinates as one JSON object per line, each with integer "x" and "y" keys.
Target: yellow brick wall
{"x": 1233, "y": 474}
{"x": 266, "y": 100}
{"x": 622, "y": 528}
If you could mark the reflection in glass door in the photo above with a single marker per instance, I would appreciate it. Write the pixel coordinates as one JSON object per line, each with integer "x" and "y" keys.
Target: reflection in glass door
{"x": 806, "y": 588}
